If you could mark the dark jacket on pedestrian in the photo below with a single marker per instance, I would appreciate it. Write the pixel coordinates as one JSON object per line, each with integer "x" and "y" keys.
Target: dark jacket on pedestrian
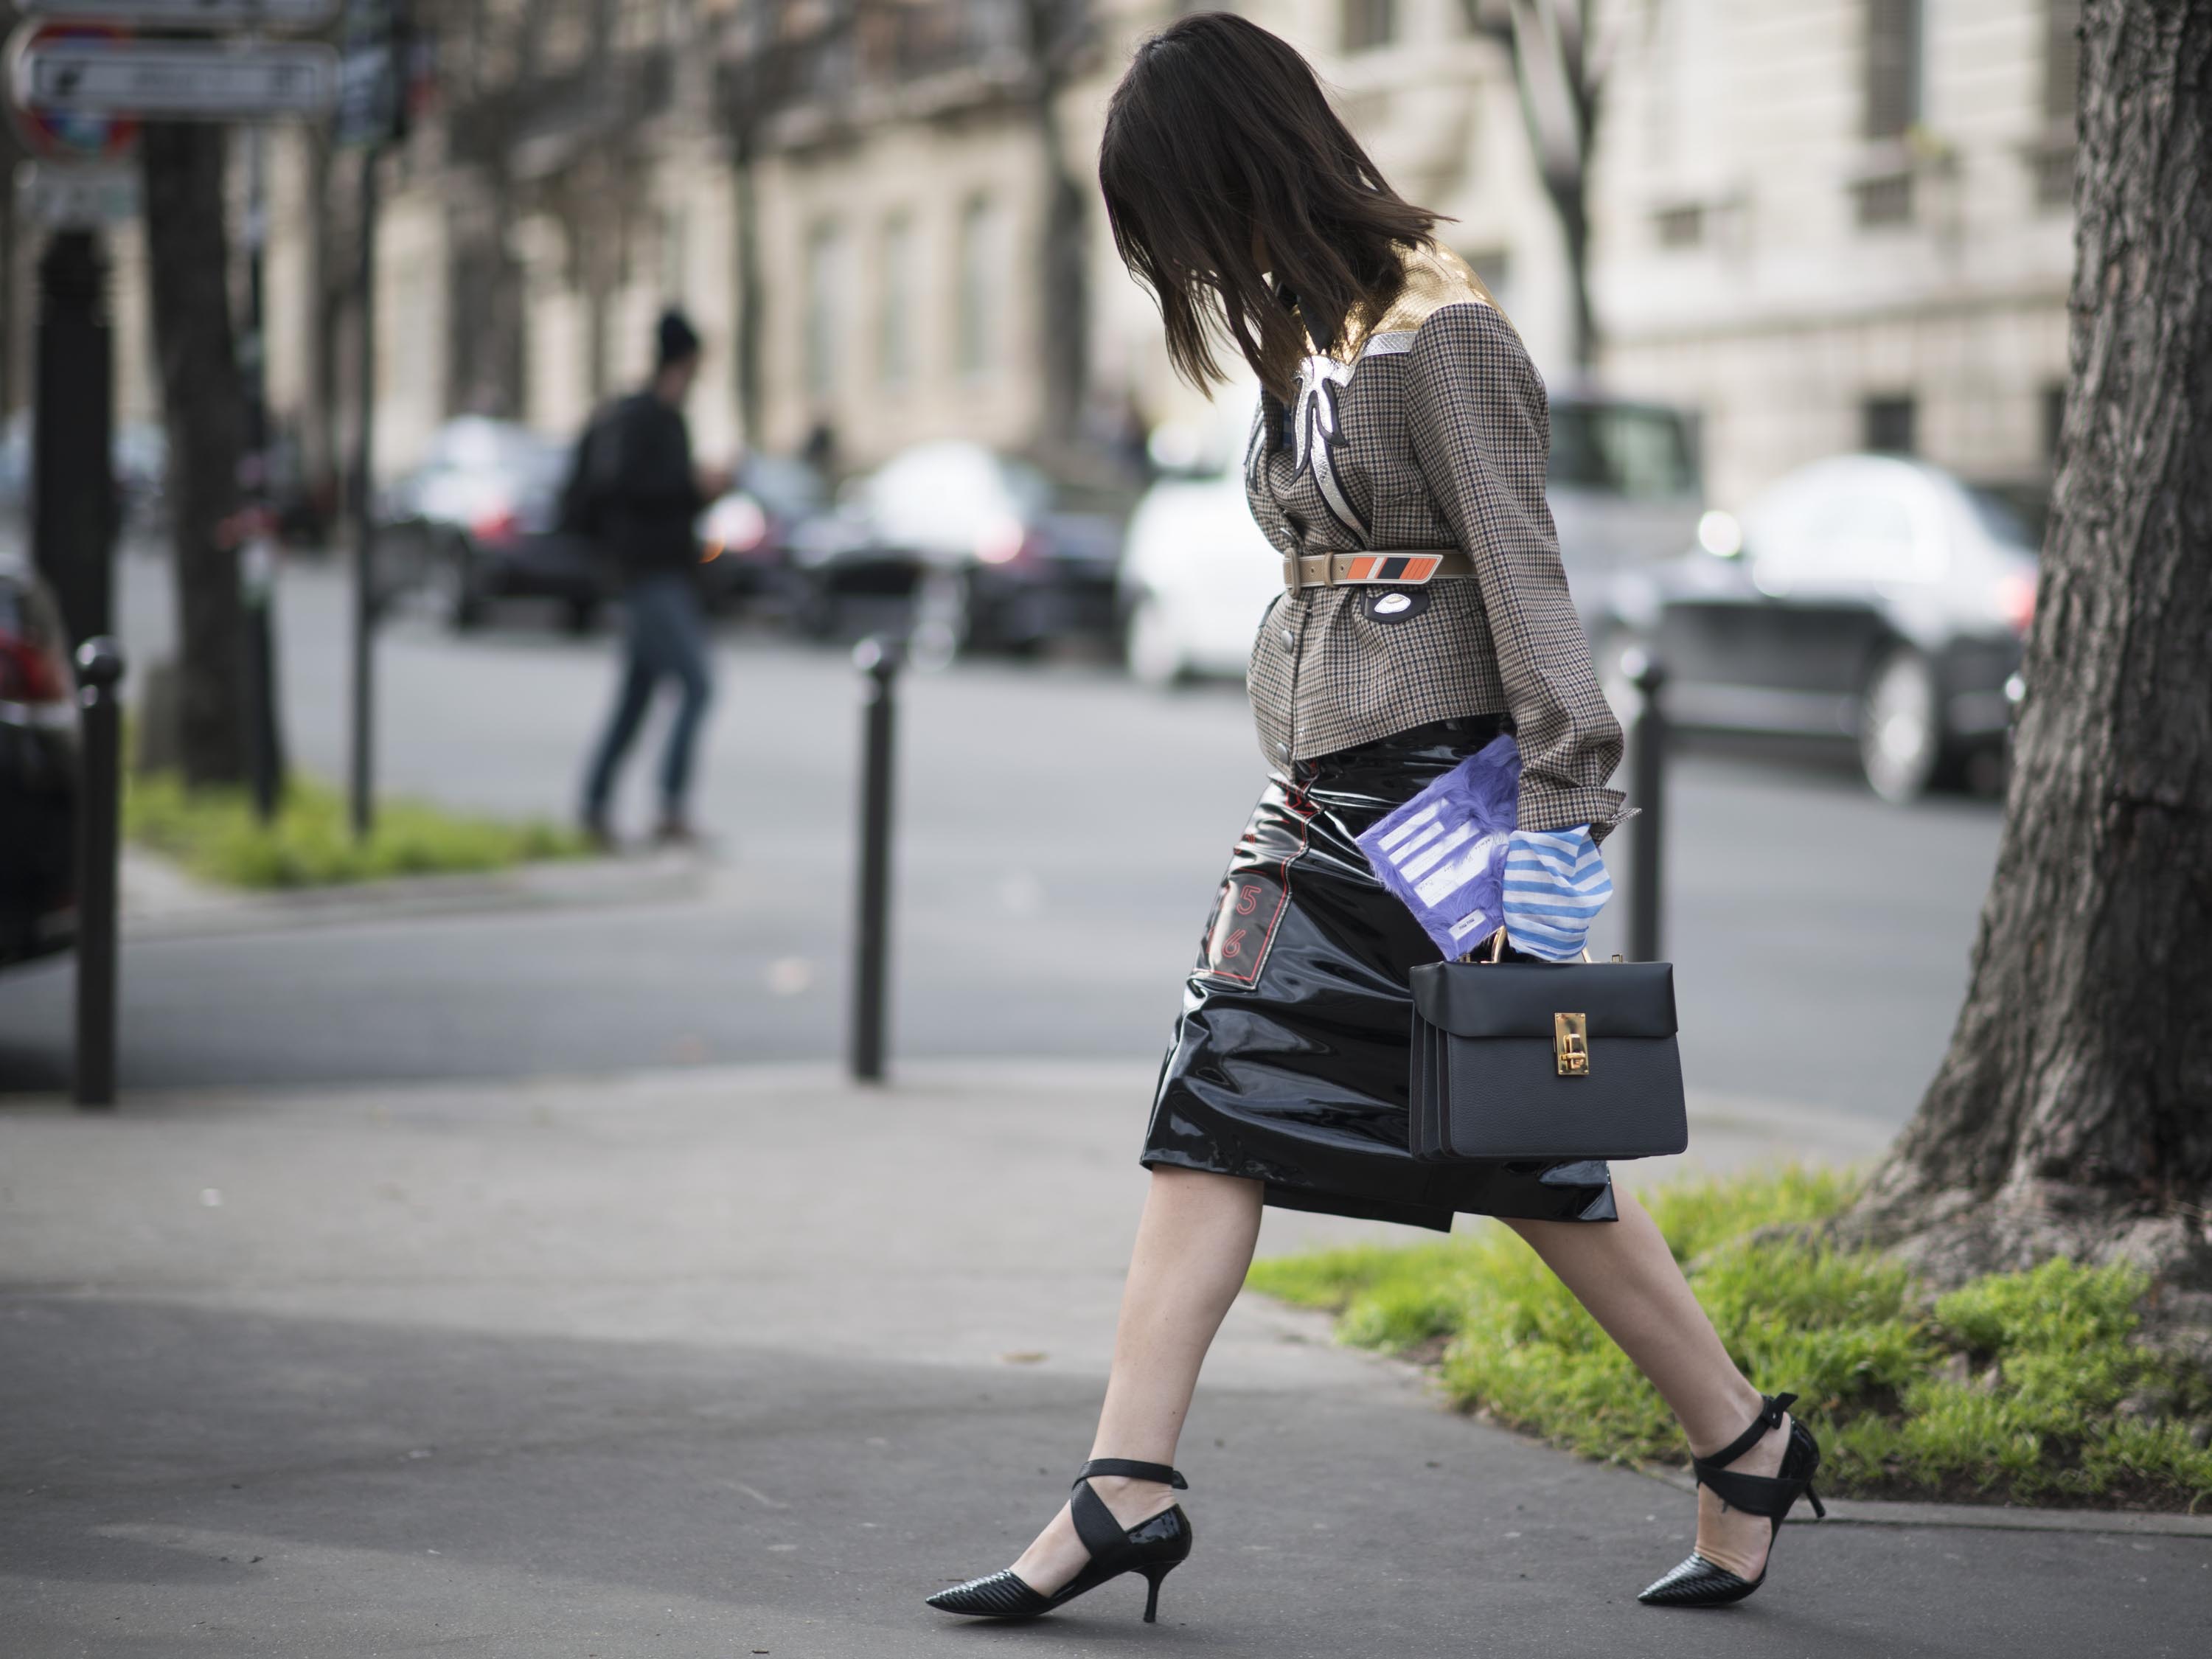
{"x": 645, "y": 495}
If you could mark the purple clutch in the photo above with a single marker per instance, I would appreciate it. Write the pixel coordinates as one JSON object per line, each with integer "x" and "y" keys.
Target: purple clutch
{"x": 1444, "y": 851}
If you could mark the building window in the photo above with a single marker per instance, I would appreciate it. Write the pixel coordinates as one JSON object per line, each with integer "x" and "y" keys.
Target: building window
{"x": 976, "y": 325}
{"x": 2052, "y": 159}
{"x": 1368, "y": 23}
{"x": 675, "y": 256}
{"x": 1681, "y": 226}
{"x": 1888, "y": 425}
{"x": 1893, "y": 67}
{"x": 2061, "y": 59}
{"x": 895, "y": 301}
{"x": 1887, "y": 200}
{"x": 825, "y": 248}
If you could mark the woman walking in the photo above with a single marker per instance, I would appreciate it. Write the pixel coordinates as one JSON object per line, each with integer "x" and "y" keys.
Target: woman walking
{"x": 1398, "y": 411}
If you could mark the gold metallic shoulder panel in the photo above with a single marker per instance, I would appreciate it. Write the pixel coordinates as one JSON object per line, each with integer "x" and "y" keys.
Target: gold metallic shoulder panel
{"x": 1434, "y": 277}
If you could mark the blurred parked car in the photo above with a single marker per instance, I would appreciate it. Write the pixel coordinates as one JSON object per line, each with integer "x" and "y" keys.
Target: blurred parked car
{"x": 746, "y": 536}
{"x": 1624, "y": 486}
{"x": 476, "y": 522}
{"x": 974, "y": 547}
{"x": 1865, "y": 598}
{"x": 37, "y": 770}
{"x": 1197, "y": 573}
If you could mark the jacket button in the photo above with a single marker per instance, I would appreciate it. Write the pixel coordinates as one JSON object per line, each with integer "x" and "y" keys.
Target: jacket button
{"x": 1283, "y": 749}
{"x": 1290, "y": 641}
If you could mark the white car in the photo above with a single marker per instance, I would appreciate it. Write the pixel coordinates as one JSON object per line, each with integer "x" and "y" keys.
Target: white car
{"x": 1196, "y": 577}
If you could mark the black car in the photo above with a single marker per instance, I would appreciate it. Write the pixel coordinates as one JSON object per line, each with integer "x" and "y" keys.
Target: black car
{"x": 38, "y": 771}
{"x": 975, "y": 550}
{"x": 1867, "y": 598}
{"x": 476, "y": 523}
{"x": 745, "y": 537}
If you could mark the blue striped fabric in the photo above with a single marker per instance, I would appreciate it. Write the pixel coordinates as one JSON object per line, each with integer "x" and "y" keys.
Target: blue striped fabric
{"x": 1555, "y": 885}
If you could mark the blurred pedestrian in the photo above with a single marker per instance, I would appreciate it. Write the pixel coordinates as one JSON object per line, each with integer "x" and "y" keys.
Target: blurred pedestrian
{"x": 639, "y": 493}
{"x": 1398, "y": 464}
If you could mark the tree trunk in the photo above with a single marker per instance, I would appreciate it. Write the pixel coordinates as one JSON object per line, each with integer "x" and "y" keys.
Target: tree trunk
{"x": 753, "y": 397}
{"x": 204, "y": 405}
{"x": 1056, "y": 29}
{"x": 12, "y": 327}
{"x": 1570, "y": 200}
{"x": 2073, "y": 1112}
{"x": 484, "y": 339}
{"x": 1561, "y": 89}
{"x": 319, "y": 405}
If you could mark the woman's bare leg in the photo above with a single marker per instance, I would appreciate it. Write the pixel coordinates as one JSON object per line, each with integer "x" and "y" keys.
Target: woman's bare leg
{"x": 1627, "y": 1277}
{"x": 1193, "y": 1244}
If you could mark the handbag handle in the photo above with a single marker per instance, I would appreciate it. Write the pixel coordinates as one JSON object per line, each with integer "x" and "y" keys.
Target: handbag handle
{"x": 1497, "y": 949}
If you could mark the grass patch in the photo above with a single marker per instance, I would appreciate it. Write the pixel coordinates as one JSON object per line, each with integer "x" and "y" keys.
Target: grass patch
{"x": 2024, "y": 1387}
{"x": 214, "y": 834}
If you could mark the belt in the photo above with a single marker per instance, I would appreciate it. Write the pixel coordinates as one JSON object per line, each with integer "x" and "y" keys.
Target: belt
{"x": 1400, "y": 567}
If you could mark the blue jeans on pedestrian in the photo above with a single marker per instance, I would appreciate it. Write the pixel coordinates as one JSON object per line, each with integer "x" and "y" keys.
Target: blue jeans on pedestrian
{"x": 665, "y": 637}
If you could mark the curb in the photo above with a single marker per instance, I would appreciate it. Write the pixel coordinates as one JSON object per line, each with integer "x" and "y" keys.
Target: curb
{"x": 1989, "y": 1517}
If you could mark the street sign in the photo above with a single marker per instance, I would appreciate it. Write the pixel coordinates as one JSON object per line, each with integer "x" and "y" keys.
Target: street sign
{"x": 80, "y": 195}
{"x": 69, "y": 134}
{"x": 177, "y": 80}
{"x": 190, "y": 13}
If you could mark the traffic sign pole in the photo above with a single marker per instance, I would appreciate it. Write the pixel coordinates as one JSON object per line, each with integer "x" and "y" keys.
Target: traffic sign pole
{"x": 257, "y": 563}
{"x": 363, "y": 503}
{"x": 372, "y": 112}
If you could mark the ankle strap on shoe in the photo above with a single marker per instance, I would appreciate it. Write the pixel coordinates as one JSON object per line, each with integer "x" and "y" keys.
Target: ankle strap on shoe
{"x": 1130, "y": 1471}
{"x": 1771, "y": 1411}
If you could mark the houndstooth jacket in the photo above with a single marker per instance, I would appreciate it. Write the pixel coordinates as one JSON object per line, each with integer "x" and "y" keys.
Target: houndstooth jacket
{"x": 1426, "y": 427}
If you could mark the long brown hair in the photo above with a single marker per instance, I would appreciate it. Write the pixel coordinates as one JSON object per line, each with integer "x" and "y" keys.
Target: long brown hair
{"x": 1221, "y": 150}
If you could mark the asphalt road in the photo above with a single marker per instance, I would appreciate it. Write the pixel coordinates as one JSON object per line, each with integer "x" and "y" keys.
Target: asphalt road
{"x": 1060, "y": 832}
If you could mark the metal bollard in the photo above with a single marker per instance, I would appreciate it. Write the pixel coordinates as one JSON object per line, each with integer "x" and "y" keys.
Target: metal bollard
{"x": 879, "y": 659}
{"x": 1647, "y": 782}
{"x": 99, "y": 668}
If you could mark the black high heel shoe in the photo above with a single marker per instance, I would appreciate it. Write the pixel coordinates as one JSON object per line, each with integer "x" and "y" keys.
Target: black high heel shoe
{"x": 1699, "y": 1583}
{"x": 1155, "y": 1548}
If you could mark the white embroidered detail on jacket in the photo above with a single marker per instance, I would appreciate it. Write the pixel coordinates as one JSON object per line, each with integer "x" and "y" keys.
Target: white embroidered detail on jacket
{"x": 1316, "y": 428}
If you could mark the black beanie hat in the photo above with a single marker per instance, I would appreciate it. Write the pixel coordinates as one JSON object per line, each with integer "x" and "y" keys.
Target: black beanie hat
{"x": 676, "y": 339}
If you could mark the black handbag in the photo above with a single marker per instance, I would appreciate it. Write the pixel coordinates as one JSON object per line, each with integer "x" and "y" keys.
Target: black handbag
{"x": 1541, "y": 1059}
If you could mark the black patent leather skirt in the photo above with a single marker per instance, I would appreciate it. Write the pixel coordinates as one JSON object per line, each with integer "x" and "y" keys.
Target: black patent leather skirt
{"x": 1289, "y": 1063}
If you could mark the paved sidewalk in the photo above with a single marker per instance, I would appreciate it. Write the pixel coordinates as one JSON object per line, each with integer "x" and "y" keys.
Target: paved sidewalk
{"x": 736, "y": 1362}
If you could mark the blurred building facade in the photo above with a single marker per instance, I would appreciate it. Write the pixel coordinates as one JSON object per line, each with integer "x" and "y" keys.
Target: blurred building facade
{"x": 1831, "y": 225}
{"x": 1844, "y": 224}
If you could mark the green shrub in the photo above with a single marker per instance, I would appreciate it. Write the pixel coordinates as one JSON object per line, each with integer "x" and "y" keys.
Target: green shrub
{"x": 214, "y": 834}
{"x": 2024, "y": 1386}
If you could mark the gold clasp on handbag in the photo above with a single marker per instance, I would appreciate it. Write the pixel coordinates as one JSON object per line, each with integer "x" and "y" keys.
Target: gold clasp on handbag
{"x": 1570, "y": 1042}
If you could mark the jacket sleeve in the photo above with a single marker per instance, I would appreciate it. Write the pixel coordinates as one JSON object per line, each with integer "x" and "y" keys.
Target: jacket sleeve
{"x": 1481, "y": 434}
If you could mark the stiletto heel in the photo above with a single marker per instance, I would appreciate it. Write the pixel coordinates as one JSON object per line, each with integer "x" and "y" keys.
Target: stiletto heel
{"x": 1154, "y": 1547}
{"x": 1155, "y": 1577}
{"x": 1699, "y": 1583}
